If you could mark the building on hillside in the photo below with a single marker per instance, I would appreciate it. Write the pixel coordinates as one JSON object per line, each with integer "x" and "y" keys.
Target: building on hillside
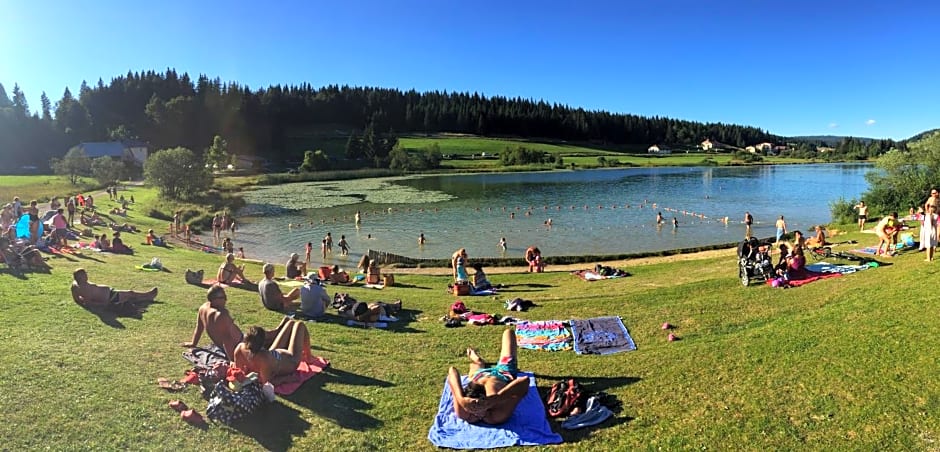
{"x": 764, "y": 147}
{"x": 249, "y": 162}
{"x": 131, "y": 151}
{"x": 751, "y": 149}
{"x": 707, "y": 145}
{"x": 658, "y": 149}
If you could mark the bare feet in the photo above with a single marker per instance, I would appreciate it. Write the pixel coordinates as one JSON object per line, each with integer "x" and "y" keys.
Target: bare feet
{"x": 472, "y": 355}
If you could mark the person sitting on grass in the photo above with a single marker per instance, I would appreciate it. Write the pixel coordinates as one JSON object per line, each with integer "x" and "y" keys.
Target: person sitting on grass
{"x": 93, "y": 295}
{"x": 819, "y": 239}
{"x": 118, "y": 246}
{"x": 271, "y": 295}
{"x": 228, "y": 271}
{"x": 338, "y": 276}
{"x": 480, "y": 282}
{"x": 28, "y": 255}
{"x": 214, "y": 319}
{"x": 493, "y": 392}
{"x": 295, "y": 267}
{"x": 280, "y": 359}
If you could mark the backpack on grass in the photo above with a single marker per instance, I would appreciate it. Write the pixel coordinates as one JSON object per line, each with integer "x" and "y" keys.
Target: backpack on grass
{"x": 564, "y": 396}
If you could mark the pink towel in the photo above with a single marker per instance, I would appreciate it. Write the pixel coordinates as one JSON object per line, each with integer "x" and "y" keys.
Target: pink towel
{"x": 304, "y": 372}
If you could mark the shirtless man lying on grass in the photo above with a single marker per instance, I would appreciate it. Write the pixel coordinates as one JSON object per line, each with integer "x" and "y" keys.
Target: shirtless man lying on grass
{"x": 215, "y": 320}
{"x": 94, "y": 295}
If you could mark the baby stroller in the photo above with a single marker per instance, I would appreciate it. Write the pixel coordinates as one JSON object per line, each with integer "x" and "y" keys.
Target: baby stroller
{"x": 754, "y": 262}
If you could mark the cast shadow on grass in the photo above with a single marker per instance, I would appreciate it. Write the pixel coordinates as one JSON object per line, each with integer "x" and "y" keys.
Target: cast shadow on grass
{"x": 412, "y": 286}
{"x": 274, "y": 426}
{"x": 343, "y": 410}
{"x": 594, "y": 385}
{"x": 88, "y": 258}
{"x": 110, "y": 316}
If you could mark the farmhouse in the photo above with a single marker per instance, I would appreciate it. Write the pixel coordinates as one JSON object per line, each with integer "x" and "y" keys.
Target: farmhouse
{"x": 658, "y": 149}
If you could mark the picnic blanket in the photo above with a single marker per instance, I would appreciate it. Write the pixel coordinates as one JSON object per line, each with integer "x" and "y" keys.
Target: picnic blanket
{"x": 805, "y": 277}
{"x": 205, "y": 357}
{"x": 601, "y": 336}
{"x": 548, "y": 335}
{"x": 304, "y": 372}
{"x": 482, "y": 291}
{"x": 528, "y": 425}
{"x": 826, "y": 267}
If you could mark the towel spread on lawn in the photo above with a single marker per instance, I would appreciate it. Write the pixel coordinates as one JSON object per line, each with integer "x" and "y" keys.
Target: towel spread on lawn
{"x": 591, "y": 275}
{"x": 548, "y": 335}
{"x": 826, "y": 267}
{"x": 528, "y": 425}
{"x": 601, "y": 336}
{"x": 304, "y": 372}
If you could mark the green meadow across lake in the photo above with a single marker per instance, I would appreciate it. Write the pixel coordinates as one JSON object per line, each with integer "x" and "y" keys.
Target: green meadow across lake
{"x": 843, "y": 363}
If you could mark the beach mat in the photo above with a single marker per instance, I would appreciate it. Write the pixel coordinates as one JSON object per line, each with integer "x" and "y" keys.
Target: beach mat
{"x": 806, "y": 277}
{"x": 528, "y": 425}
{"x": 826, "y": 267}
{"x": 304, "y": 372}
{"x": 601, "y": 336}
{"x": 546, "y": 335}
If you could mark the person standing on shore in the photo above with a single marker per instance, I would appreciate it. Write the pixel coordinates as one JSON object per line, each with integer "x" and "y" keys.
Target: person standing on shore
{"x": 862, "y": 214}
{"x": 748, "y": 221}
{"x": 781, "y": 228}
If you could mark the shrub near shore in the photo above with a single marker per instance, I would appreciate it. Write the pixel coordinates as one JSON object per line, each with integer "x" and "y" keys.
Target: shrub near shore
{"x": 845, "y": 363}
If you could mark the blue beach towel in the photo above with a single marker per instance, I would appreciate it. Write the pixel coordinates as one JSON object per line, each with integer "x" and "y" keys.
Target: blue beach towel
{"x": 601, "y": 336}
{"x": 528, "y": 425}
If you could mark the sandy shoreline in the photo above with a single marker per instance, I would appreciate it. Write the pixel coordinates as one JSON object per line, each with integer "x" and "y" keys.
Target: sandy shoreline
{"x": 622, "y": 263}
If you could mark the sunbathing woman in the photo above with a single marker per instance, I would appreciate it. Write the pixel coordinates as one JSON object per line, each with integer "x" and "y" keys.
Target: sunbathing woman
{"x": 281, "y": 359}
{"x": 228, "y": 271}
{"x": 493, "y": 392}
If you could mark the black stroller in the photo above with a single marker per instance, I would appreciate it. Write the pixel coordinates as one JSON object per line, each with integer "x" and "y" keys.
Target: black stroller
{"x": 754, "y": 262}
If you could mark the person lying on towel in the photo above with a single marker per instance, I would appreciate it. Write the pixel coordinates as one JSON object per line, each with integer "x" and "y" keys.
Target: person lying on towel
{"x": 493, "y": 392}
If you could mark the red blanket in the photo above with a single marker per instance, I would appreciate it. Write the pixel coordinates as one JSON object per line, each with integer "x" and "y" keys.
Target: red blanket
{"x": 806, "y": 277}
{"x": 304, "y": 372}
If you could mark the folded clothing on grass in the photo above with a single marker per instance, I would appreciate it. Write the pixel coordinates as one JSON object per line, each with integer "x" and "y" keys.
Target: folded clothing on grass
{"x": 601, "y": 336}
{"x": 528, "y": 425}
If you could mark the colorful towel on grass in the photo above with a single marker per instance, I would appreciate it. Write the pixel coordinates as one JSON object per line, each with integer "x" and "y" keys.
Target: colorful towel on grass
{"x": 304, "y": 372}
{"x": 528, "y": 425}
{"x": 548, "y": 335}
{"x": 601, "y": 336}
{"x": 826, "y": 267}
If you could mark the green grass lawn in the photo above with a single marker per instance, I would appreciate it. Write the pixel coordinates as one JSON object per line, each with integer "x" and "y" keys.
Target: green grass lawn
{"x": 843, "y": 363}
{"x": 41, "y": 187}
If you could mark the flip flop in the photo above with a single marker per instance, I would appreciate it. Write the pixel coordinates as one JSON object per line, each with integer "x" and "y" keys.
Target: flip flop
{"x": 193, "y": 418}
{"x": 178, "y": 406}
{"x": 173, "y": 386}
{"x": 190, "y": 378}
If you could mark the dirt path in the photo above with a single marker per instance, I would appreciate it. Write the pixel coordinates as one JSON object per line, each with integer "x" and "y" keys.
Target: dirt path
{"x": 625, "y": 263}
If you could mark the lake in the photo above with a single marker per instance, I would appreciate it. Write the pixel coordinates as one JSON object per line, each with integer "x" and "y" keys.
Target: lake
{"x": 598, "y": 212}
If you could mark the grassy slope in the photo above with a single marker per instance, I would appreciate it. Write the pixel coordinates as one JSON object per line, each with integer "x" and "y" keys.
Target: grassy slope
{"x": 845, "y": 363}
{"x": 40, "y": 187}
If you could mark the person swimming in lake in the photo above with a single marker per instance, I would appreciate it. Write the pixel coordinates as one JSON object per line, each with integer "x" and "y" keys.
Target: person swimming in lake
{"x": 421, "y": 239}
{"x": 493, "y": 392}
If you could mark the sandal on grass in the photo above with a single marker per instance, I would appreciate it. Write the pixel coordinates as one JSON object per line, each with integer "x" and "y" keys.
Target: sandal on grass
{"x": 178, "y": 406}
{"x": 173, "y": 386}
{"x": 193, "y": 417}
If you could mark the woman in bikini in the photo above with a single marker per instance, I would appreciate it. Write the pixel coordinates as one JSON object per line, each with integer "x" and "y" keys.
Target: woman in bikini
{"x": 493, "y": 392}
{"x": 290, "y": 347}
{"x": 228, "y": 271}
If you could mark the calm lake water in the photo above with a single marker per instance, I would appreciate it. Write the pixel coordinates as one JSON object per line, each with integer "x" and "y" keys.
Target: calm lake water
{"x": 601, "y": 212}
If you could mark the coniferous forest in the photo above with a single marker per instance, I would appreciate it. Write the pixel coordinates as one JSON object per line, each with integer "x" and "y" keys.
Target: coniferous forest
{"x": 168, "y": 109}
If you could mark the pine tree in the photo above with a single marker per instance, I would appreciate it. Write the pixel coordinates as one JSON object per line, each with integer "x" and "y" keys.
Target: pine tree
{"x": 46, "y": 107}
{"x": 20, "y": 106}
{"x": 5, "y": 101}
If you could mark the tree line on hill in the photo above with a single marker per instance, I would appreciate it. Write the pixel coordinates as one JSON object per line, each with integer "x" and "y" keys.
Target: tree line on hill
{"x": 168, "y": 109}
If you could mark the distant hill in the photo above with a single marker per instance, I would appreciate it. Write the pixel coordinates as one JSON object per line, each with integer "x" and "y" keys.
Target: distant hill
{"x": 922, "y": 135}
{"x": 828, "y": 140}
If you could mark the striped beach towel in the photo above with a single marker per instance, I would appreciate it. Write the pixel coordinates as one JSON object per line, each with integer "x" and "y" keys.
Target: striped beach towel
{"x": 548, "y": 335}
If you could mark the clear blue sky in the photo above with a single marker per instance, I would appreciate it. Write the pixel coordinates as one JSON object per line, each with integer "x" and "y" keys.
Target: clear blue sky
{"x": 861, "y": 68}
